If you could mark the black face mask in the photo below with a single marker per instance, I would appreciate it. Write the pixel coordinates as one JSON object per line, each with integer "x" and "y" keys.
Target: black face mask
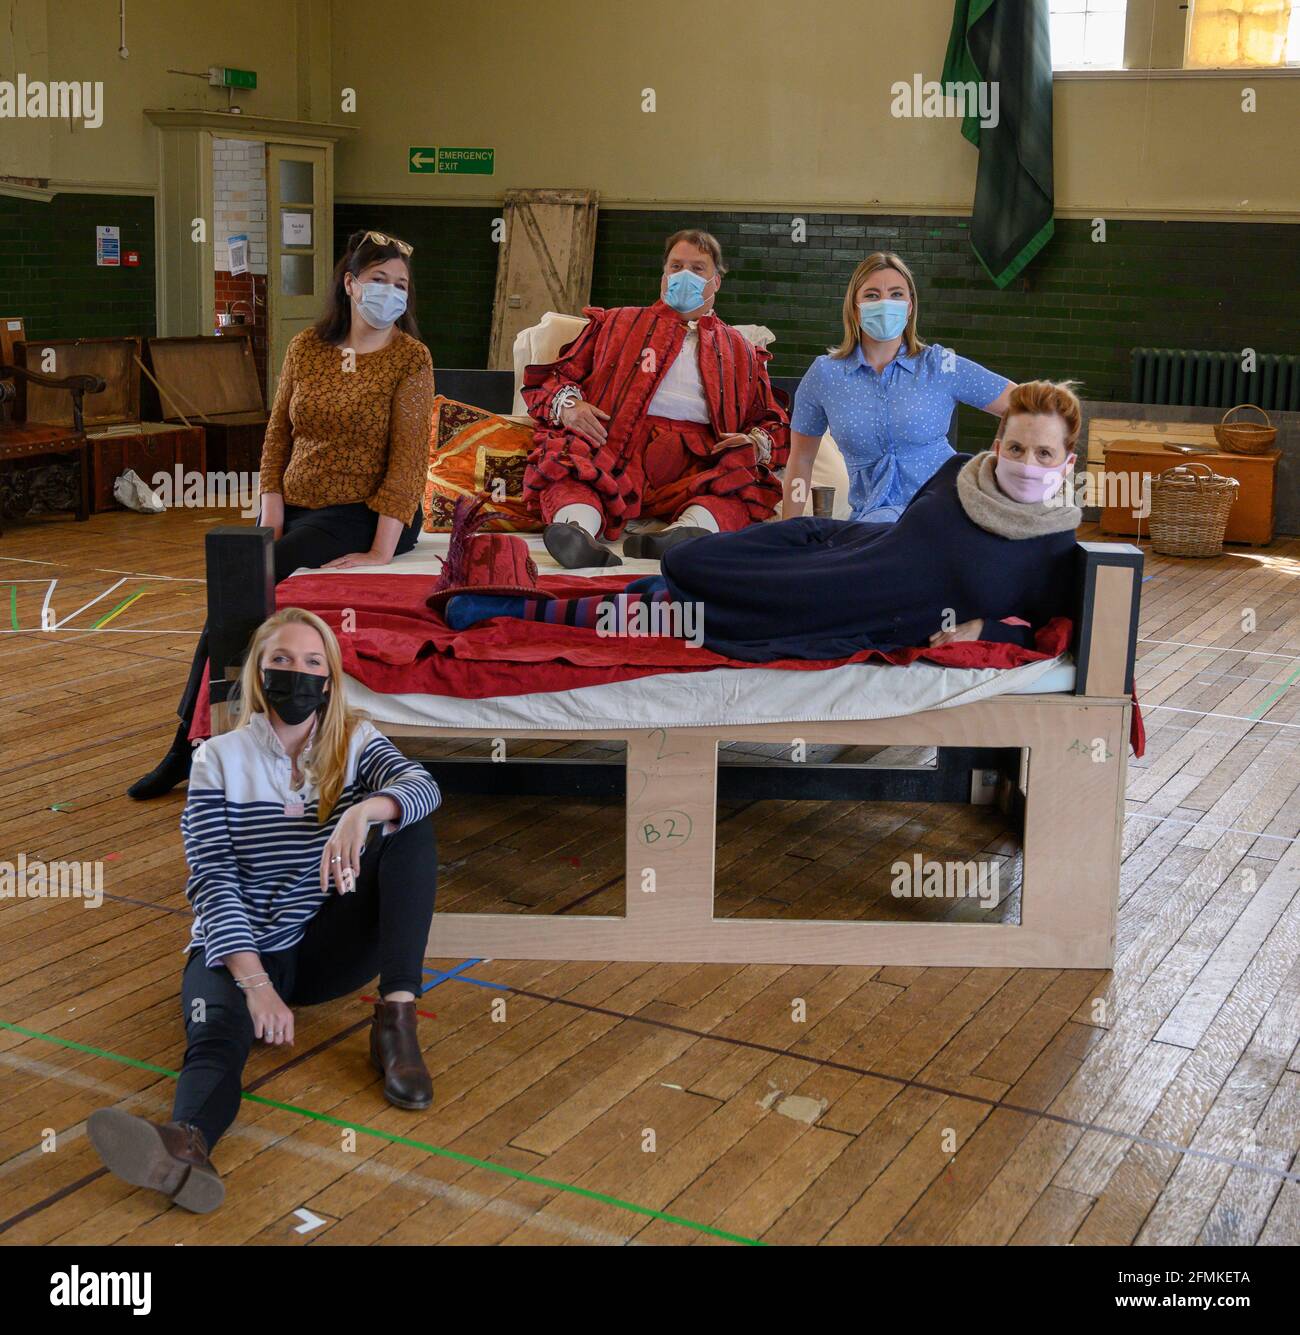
{"x": 295, "y": 696}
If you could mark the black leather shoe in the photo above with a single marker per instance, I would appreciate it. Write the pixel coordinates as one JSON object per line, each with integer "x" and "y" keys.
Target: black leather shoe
{"x": 174, "y": 769}
{"x": 652, "y": 546}
{"x": 575, "y": 549}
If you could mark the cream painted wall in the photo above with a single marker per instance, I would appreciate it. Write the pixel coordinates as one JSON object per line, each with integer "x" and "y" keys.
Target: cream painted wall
{"x": 764, "y": 103}
{"x": 759, "y": 103}
{"x": 24, "y": 144}
{"x": 78, "y": 40}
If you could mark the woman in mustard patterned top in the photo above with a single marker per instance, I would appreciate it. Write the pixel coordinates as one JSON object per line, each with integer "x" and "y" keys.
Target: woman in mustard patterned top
{"x": 347, "y": 443}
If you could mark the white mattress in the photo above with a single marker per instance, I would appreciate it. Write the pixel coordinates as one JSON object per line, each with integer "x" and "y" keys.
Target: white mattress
{"x": 699, "y": 699}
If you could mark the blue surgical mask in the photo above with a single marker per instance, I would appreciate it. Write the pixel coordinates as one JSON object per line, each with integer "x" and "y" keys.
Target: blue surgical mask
{"x": 381, "y": 304}
{"x": 882, "y": 320}
{"x": 685, "y": 291}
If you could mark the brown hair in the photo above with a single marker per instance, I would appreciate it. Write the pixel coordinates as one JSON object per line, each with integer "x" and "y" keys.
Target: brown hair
{"x": 877, "y": 260}
{"x": 704, "y": 241}
{"x": 1047, "y": 398}
{"x": 329, "y": 750}
{"x": 362, "y": 251}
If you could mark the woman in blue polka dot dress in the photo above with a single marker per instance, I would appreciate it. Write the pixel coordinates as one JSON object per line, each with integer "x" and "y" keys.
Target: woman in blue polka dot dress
{"x": 885, "y": 397}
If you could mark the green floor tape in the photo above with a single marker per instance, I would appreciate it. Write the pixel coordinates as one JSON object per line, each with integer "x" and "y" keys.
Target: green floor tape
{"x": 389, "y": 1136}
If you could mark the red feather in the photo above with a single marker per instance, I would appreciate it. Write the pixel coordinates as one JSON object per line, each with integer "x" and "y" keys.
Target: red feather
{"x": 467, "y": 519}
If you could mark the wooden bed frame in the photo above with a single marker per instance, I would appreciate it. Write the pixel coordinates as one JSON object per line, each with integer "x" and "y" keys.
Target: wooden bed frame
{"x": 1077, "y": 747}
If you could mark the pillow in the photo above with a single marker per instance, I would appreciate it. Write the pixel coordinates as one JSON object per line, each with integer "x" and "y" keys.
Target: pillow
{"x": 471, "y": 453}
{"x": 541, "y": 343}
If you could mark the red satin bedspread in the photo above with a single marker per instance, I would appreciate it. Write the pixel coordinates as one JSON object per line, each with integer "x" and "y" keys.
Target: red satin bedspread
{"x": 398, "y": 646}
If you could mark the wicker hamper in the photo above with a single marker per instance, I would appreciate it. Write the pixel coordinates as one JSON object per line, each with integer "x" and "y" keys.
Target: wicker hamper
{"x": 1245, "y": 437}
{"x": 1189, "y": 510}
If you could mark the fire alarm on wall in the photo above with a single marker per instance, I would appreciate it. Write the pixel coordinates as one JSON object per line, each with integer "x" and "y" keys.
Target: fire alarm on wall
{"x": 132, "y": 259}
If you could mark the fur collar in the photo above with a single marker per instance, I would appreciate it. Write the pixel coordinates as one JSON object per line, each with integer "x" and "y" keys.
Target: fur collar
{"x": 992, "y": 509}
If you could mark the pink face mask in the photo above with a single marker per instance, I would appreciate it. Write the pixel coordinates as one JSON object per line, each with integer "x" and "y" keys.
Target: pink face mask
{"x": 1029, "y": 482}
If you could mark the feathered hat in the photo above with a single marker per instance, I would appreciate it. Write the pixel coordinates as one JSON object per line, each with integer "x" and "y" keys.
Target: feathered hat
{"x": 477, "y": 562}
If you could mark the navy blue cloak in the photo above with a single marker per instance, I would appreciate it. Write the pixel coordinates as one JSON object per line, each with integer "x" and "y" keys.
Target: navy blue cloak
{"x": 826, "y": 588}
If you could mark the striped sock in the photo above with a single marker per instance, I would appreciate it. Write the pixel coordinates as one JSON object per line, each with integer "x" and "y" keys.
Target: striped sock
{"x": 602, "y": 609}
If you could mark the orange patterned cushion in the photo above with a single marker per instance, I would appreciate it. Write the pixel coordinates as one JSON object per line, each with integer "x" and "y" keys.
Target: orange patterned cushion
{"x": 473, "y": 453}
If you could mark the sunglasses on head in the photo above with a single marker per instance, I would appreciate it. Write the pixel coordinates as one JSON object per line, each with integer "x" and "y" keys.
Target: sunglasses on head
{"x": 383, "y": 239}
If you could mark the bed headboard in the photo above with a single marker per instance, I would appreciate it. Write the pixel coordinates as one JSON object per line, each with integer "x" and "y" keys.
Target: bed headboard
{"x": 1108, "y": 583}
{"x": 1107, "y": 594}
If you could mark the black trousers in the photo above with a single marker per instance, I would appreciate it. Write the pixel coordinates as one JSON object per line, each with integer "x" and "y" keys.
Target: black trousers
{"x": 310, "y": 539}
{"x": 380, "y": 928}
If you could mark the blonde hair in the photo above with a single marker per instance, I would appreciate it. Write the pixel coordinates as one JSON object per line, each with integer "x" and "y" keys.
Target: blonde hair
{"x": 877, "y": 260}
{"x": 1046, "y": 398}
{"x": 327, "y": 764}
{"x": 704, "y": 241}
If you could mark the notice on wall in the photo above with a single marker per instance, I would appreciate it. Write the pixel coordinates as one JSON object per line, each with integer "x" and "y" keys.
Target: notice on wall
{"x": 238, "y": 247}
{"x": 108, "y": 246}
{"x": 295, "y": 228}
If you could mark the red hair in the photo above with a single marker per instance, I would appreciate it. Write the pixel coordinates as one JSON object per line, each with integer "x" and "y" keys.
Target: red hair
{"x": 1047, "y": 398}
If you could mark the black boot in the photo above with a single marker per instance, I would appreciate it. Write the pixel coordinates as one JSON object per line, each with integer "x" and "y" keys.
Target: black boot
{"x": 174, "y": 768}
{"x": 652, "y": 546}
{"x": 574, "y": 548}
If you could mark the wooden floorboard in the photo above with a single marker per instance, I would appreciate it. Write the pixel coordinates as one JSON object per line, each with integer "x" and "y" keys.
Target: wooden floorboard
{"x": 1157, "y": 1104}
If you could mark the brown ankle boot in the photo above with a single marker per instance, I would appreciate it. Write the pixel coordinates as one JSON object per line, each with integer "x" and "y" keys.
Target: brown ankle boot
{"x": 171, "y": 1157}
{"x": 395, "y": 1050}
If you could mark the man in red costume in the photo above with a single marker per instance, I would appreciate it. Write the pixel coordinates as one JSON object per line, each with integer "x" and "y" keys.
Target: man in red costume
{"x": 656, "y": 411}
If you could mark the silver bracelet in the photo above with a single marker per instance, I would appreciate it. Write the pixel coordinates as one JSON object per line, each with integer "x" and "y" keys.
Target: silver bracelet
{"x": 562, "y": 399}
{"x": 246, "y": 987}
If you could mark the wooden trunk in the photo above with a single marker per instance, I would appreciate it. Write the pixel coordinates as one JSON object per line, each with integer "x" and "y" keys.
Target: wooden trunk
{"x": 117, "y": 437}
{"x": 212, "y": 382}
{"x": 1251, "y": 517}
{"x": 145, "y": 447}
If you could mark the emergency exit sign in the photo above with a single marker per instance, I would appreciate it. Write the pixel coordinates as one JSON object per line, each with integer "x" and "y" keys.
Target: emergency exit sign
{"x": 430, "y": 161}
{"x": 220, "y": 76}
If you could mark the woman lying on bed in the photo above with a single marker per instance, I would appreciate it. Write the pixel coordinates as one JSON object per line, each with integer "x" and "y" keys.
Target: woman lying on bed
{"x": 987, "y": 538}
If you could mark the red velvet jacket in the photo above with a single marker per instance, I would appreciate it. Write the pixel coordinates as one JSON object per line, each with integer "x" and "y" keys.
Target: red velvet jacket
{"x": 609, "y": 363}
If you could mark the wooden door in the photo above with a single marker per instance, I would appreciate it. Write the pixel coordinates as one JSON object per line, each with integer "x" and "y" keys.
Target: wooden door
{"x": 544, "y": 263}
{"x": 300, "y": 246}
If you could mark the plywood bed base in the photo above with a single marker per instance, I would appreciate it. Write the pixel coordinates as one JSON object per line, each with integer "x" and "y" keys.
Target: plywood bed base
{"x": 1077, "y": 748}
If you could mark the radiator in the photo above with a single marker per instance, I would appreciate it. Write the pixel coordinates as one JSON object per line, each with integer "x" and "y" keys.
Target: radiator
{"x": 1215, "y": 379}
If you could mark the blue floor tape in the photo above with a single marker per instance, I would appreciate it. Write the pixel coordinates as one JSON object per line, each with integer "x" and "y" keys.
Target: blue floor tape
{"x": 441, "y": 977}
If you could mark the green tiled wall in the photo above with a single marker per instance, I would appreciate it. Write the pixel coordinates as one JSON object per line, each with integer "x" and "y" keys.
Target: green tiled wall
{"x": 48, "y": 274}
{"x": 455, "y": 271}
{"x": 1077, "y": 312}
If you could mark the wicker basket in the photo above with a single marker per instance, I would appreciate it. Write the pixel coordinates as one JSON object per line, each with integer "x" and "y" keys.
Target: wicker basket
{"x": 1189, "y": 512}
{"x": 1245, "y": 437}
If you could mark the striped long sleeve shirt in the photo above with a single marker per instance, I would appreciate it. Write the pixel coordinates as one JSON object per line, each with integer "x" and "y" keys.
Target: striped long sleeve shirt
{"x": 252, "y": 839}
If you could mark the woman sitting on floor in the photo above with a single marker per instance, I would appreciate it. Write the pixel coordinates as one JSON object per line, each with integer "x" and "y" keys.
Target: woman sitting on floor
{"x": 294, "y": 902}
{"x": 986, "y": 538}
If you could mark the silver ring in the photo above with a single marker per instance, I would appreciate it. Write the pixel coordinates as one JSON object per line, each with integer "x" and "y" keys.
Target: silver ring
{"x": 336, "y": 858}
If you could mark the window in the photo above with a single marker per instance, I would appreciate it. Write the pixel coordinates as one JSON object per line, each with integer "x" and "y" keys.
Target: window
{"x": 1087, "y": 34}
{"x": 1253, "y": 34}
